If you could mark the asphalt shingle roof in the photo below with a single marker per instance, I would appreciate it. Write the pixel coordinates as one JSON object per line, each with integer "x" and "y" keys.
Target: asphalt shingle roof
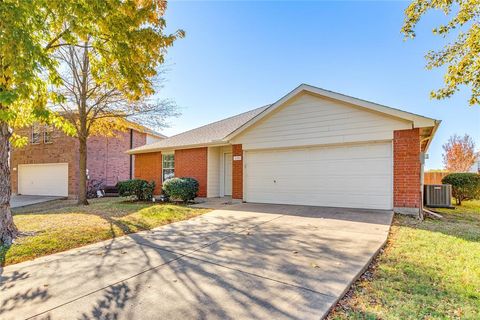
{"x": 206, "y": 134}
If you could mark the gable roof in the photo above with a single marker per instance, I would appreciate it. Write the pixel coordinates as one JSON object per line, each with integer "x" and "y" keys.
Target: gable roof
{"x": 222, "y": 131}
{"x": 205, "y": 135}
{"x": 417, "y": 120}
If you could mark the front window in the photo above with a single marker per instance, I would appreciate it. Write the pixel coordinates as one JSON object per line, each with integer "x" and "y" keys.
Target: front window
{"x": 48, "y": 134}
{"x": 168, "y": 166}
{"x": 35, "y": 136}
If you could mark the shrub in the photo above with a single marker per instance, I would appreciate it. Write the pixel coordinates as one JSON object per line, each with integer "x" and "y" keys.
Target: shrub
{"x": 184, "y": 189}
{"x": 465, "y": 186}
{"x": 141, "y": 189}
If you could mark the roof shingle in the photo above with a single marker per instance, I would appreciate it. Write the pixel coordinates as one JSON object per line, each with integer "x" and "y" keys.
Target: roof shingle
{"x": 206, "y": 134}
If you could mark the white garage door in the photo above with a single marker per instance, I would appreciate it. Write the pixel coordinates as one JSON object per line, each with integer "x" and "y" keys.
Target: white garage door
{"x": 49, "y": 179}
{"x": 354, "y": 176}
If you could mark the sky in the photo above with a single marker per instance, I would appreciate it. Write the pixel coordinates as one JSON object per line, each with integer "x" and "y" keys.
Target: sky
{"x": 239, "y": 55}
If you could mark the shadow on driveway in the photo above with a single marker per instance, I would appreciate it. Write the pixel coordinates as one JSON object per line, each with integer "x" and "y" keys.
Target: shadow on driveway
{"x": 248, "y": 261}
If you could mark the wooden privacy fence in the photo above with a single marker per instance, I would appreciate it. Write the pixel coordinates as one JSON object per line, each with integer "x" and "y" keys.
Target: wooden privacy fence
{"x": 434, "y": 177}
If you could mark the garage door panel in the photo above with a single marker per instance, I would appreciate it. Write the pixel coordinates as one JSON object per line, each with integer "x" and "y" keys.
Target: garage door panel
{"x": 312, "y": 155}
{"x": 357, "y": 176}
{"x": 49, "y": 179}
{"x": 373, "y": 165}
{"x": 317, "y": 181}
{"x": 328, "y": 200}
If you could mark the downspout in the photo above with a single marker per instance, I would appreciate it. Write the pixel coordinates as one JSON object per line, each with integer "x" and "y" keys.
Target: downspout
{"x": 131, "y": 156}
{"x": 422, "y": 174}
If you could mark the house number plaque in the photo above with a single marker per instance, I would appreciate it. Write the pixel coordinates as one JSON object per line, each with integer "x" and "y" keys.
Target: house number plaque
{"x": 237, "y": 158}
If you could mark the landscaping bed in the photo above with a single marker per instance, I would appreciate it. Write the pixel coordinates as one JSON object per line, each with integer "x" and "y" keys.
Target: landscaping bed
{"x": 61, "y": 225}
{"x": 429, "y": 270}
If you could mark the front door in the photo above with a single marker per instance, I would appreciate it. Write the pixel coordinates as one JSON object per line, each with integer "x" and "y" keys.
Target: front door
{"x": 227, "y": 173}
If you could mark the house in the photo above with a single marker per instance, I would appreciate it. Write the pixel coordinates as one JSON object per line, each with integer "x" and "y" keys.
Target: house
{"x": 311, "y": 147}
{"x": 48, "y": 165}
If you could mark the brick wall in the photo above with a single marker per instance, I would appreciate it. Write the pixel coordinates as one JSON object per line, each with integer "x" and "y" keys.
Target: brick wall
{"x": 106, "y": 157}
{"x": 148, "y": 166}
{"x": 237, "y": 172}
{"x": 406, "y": 171}
{"x": 64, "y": 149}
{"x": 193, "y": 163}
{"x": 107, "y": 160}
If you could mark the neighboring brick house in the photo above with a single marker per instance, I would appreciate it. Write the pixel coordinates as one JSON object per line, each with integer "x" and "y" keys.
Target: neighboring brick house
{"x": 311, "y": 147}
{"x": 48, "y": 164}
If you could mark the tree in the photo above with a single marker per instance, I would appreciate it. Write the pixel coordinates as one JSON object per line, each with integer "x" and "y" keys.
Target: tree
{"x": 131, "y": 43}
{"x": 462, "y": 56}
{"x": 459, "y": 153}
{"x": 94, "y": 107}
{"x": 465, "y": 186}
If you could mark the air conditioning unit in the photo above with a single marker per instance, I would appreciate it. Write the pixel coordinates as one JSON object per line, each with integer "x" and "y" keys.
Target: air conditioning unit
{"x": 438, "y": 195}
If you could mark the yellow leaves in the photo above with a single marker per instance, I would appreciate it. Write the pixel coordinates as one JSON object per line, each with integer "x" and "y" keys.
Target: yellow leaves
{"x": 461, "y": 57}
{"x": 108, "y": 126}
{"x": 18, "y": 141}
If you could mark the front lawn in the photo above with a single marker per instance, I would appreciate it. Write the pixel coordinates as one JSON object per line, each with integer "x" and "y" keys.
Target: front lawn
{"x": 61, "y": 225}
{"x": 428, "y": 270}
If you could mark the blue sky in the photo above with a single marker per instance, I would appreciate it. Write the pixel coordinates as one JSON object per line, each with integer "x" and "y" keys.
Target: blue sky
{"x": 240, "y": 55}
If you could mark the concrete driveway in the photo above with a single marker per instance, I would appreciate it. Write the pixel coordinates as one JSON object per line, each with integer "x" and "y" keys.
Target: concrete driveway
{"x": 246, "y": 261}
{"x": 18, "y": 201}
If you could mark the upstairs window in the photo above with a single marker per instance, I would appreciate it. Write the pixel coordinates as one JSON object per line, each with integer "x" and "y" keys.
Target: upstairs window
{"x": 36, "y": 134}
{"x": 168, "y": 166}
{"x": 48, "y": 134}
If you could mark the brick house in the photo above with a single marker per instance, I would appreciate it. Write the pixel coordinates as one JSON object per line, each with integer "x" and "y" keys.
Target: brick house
{"x": 48, "y": 165}
{"x": 311, "y": 147}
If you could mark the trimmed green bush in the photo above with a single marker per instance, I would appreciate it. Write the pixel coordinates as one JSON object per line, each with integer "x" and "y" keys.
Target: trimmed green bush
{"x": 184, "y": 189}
{"x": 141, "y": 189}
{"x": 465, "y": 186}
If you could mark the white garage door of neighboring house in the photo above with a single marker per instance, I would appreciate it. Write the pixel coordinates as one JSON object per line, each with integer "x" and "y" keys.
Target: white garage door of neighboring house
{"x": 49, "y": 179}
{"x": 355, "y": 176}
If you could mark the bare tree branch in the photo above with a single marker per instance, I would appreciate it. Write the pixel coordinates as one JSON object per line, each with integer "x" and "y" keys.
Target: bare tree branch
{"x": 90, "y": 101}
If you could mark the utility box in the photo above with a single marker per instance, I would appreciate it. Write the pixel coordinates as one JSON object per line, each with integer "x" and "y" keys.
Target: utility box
{"x": 438, "y": 195}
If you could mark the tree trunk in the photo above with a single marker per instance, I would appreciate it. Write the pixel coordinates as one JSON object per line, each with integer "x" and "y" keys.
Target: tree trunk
{"x": 8, "y": 230}
{"x": 82, "y": 179}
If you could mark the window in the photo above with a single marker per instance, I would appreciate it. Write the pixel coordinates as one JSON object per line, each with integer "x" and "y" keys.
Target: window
{"x": 36, "y": 135}
{"x": 48, "y": 134}
{"x": 168, "y": 166}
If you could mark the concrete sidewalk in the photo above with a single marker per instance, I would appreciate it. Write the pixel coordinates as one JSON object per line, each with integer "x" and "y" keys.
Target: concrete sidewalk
{"x": 248, "y": 262}
{"x": 18, "y": 201}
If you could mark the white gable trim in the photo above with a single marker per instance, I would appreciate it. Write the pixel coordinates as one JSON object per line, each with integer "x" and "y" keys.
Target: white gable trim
{"x": 417, "y": 120}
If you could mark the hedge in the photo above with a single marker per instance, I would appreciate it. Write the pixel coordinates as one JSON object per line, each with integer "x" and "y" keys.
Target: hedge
{"x": 184, "y": 189}
{"x": 141, "y": 189}
{"x": 465, "y": 186}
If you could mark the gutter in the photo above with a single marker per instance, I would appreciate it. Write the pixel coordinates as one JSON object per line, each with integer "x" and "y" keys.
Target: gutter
{"x": 435, "y": 128}
{"x": 217, "y": 143}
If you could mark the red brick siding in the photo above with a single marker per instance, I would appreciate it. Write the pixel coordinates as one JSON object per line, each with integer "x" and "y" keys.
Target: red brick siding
{"x": 406, "y": 168}
{"x": 112, "y": 164}
{"x": 193, "y": 163}
{"x": 148, "y": 166}
{"x": 237, "y": 172}
{"x": 64, "y": 149}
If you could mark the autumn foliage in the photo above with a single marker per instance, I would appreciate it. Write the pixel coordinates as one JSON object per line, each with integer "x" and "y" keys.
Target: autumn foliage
{"x": 459, "y": 153}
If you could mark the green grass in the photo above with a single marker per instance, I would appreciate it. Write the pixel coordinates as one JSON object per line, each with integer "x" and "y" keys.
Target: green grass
{"x": 428, "y": 270}
{"x": 61, "y": 225}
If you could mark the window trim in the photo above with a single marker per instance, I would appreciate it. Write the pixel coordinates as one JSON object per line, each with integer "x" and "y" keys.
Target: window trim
{"x": 167, "y": 168}
{"x": 32, "y": 131}
{"x": 47, "y": 129}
